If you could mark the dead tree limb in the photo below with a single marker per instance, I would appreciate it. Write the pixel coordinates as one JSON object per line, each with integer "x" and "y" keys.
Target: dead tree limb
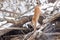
{"x": 53, "y": 17}
{"x": 37, "y": 33}
{"x": 6, "y": 30}
{"x": 21, "y": 21}
{"x": 13, "y": 28}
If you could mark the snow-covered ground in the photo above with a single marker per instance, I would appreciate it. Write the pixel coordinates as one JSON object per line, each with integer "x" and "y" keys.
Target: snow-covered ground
{"x": 22, "y": 6}
{"x": 4, "y": 25}
{"x": 7, "y": 25}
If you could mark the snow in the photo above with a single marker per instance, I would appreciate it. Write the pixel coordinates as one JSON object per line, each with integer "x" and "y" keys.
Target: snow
{"x": 44, "y": 6}
{"x": 44, "y": 2}
{"x": 28, "y": 14}
{"x": 50, "y": 4}
{"x": 25, "y": 25}
{"x": 5, "y": 4}
{"x": 10, "y": 18}
{"x": 1, "y": 14}
{"x": 6, "y": 26}
{"x": 20, "y": 6}
{"x": 50, "y": 9}
{"x": 3, "y": 22}
{"x": 53, "y": 24}
{"x": 9, "y": 9}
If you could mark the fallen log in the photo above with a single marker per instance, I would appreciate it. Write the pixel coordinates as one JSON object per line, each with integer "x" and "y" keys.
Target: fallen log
{"x": 3, "y": 30}
{"x": 14, "y": 28}
{"x": 21, "y": 21}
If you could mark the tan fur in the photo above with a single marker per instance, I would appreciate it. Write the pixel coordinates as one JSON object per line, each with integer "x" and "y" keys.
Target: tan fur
{"x": 37, "y": 13}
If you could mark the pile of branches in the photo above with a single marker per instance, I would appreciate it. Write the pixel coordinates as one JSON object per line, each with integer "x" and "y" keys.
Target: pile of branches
{"x": 48, "y": 21}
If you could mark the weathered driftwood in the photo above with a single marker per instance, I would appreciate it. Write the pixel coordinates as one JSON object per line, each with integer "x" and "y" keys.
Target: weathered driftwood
{"x": 18, "y": 22}
{"x": 26, "y": 19}
{"x": 27, "y": 35}
{"x": 3, "y": 30}
{"x": 37, "y": 33}
{"x": 53, "y": 17}
{"x": 13, "y": 28}
{"x": 21, "y": 21}
{"x": 6, "y": 30}
{"x": 46, "y": 21}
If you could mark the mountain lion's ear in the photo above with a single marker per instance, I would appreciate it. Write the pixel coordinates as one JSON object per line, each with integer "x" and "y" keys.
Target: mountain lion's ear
{"x": 38, "y": 2}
